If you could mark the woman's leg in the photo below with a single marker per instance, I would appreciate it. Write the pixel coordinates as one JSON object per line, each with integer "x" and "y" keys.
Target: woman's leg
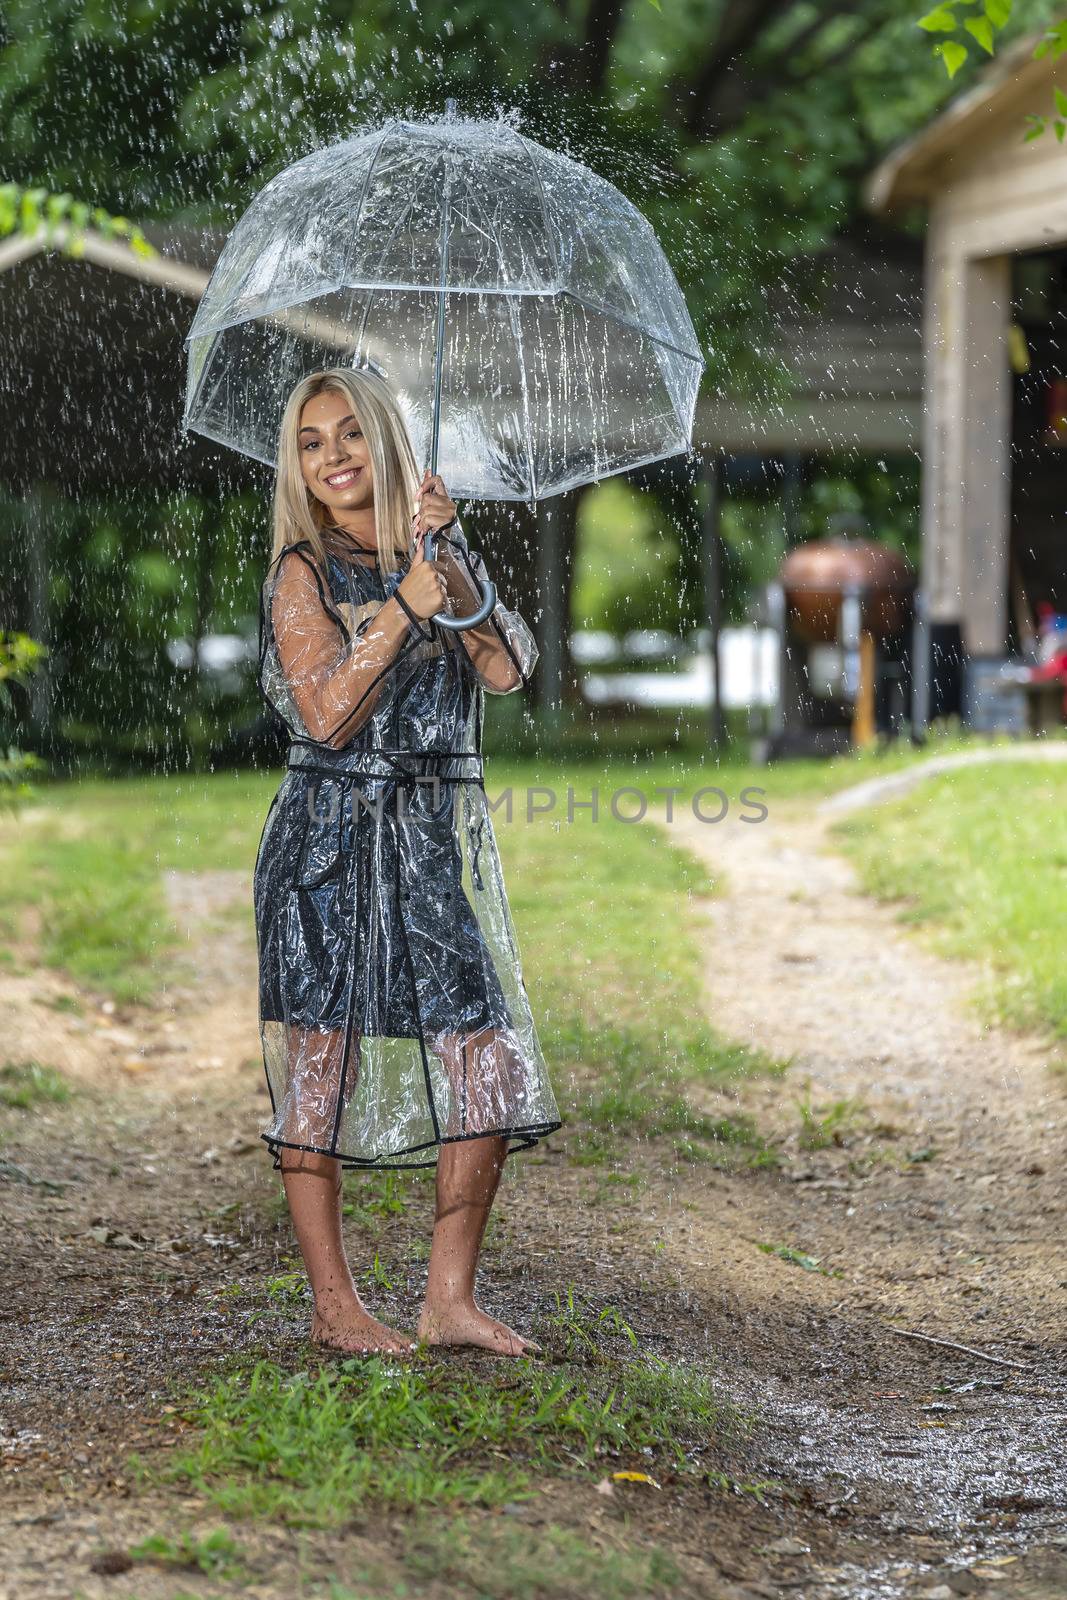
{"x": 317, "y": 1081}
{"x": 468, "y": 1173}
{"x": 313, "y": 1190}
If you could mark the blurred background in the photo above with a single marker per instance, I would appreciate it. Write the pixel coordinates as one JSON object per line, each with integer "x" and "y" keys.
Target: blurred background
{"x": 794, "y": 159}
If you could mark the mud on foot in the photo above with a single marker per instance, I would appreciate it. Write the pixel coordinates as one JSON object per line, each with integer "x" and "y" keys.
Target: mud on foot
{"x": 470, "y": 1325}
{"x": 357, "y": 1333}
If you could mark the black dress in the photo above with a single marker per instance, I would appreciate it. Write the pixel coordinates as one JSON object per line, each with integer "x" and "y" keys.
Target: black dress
{"x": 393, "y": 1012}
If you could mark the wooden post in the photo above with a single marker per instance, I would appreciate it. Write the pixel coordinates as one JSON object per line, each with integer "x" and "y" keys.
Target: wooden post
{"x": 551, "y": 589}
{"x": 712, "y": 564}
{"x": 863, "y": 725}
{"x": 37, "y": 540}
{"x": 966, "y": 440}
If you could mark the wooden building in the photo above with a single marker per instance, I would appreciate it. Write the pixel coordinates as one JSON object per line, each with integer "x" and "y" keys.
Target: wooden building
{"x": 994, "y": 506}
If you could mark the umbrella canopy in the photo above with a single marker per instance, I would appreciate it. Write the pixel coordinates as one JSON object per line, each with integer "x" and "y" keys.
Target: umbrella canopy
{"x": 520, "y": 305}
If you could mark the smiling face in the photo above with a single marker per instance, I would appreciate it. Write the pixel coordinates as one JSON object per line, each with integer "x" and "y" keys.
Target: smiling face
{"x": 334, "y": 456}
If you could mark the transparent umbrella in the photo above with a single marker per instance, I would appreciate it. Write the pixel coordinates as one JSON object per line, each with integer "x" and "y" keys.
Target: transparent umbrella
{"x": 520, "y": 305}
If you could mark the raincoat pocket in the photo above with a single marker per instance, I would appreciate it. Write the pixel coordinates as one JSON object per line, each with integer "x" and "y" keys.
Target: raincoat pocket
{"x": 319, "y": 857}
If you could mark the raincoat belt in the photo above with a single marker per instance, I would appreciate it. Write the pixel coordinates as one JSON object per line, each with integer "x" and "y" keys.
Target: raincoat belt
{"x": 378, "y": 761}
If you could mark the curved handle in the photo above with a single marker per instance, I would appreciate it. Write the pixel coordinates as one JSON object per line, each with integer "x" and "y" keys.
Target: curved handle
{"x": 460, "y": 624}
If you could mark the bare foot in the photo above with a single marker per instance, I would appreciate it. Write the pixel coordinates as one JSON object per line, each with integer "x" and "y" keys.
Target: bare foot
{"x": 357, "y": 1333}
{"x": 469, "y": 1324}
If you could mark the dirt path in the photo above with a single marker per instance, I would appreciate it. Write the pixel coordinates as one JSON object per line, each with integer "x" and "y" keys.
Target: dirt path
{"x": 142, "y": 1216}
{"x": 938, "y": 1199}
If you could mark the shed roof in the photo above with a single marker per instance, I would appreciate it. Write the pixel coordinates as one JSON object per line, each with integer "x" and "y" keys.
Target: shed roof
{"x": 1013, "y": 82}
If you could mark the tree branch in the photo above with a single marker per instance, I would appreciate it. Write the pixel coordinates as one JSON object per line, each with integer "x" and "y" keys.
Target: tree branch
{"x": 742, "y": 25}
{"x": 601, "y": 25}
{"x": 844, "y": 52}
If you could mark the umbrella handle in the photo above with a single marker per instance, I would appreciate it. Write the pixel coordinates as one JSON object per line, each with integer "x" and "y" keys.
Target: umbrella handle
{"x": 460, "y": 624}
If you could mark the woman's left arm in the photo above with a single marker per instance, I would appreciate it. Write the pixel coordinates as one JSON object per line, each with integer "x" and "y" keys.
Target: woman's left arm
{"x": 502, "y": 650}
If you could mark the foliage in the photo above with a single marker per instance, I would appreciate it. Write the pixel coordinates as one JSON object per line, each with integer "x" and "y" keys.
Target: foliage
{"x": 64, "y": 220}
{"x": 24, "y": 1084}
{"x": 21, "y": 658}
{"x": 983, "y": 21}
{"x": 126, "y": 580}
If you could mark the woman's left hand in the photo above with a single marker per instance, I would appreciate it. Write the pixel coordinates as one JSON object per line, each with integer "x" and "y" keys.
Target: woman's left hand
{"x": 433, "y": 509}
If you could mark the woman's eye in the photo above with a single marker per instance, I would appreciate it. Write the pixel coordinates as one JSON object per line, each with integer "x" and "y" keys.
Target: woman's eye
{"x": 355, "y": 433}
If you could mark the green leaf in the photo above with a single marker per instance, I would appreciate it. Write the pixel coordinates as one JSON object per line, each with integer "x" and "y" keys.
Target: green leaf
{"x": 1061, "y": 102}
{"x": 953, "y": 55}
{"x": 1061, "y": 129}
{"x": 1036, "y": 131}
{"x": 1054, "y": 43}
{"x": 981, "y": 28}
{"x": 940, "y": 20}
{"x": 998, "y": 12}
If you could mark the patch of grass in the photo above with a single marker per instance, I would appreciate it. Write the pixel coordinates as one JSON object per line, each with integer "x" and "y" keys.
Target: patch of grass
{"x": 287, "y": 1288}
{"x": 89, "y": 863}
{"x": 822, "y": 1127}
{"x": 377, "y": 1274}
{"x": 575, "y": 1330}
{"x": 978, "y": 857}
{"x": 797, "y": 1258}
{"x": 381, "y": 1195}
{"x": 68, "y": 1004}
{"x": 24, "y": 1084}
{"x": 309, "y": 1447}
{"x": 217, "y": 1554}
{"x": 508, "y": 1562}
{"x": 101, "y": 914}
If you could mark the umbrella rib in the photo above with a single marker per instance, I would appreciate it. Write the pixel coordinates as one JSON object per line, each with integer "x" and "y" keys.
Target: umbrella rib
{"x": 359, "y": 217}
{"x": 517, "y": 331}
{"x": 549, "y": 230}
{"x": 385, "y": 247}
{"x": 386, "y": 131}
{"x": 635, "y": 327}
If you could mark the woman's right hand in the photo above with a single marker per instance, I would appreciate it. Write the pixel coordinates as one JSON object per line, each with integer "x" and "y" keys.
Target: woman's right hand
{"x": 423, "y": 585}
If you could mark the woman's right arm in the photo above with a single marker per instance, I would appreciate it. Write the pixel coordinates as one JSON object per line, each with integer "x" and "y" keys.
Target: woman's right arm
{"x": 335, "y": 680}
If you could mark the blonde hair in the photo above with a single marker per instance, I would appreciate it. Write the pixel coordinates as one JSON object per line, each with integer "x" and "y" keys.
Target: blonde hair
{"x": 298, "y": 514}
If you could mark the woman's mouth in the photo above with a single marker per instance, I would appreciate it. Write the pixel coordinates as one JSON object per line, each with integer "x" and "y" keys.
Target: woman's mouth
{"x": 341, "y": 480}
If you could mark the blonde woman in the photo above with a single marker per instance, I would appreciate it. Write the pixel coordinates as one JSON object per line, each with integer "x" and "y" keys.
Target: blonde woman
{"x": 395, "y": 1022}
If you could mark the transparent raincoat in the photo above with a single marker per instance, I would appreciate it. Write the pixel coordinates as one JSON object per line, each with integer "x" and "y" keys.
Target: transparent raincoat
{"x": 393, "y": 1012}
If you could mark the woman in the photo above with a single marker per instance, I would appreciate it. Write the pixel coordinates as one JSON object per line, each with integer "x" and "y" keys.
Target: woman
{"x": 395, "y": 1023}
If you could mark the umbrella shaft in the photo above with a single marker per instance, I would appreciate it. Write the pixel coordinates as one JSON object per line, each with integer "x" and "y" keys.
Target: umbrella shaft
{"x": 435, "y": 431}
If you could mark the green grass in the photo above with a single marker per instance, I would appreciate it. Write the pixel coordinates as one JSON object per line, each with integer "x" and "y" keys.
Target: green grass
{"x": 823, "y": 1126}
{"x": 508, "y": 1562}
{"x": 312, "y": 1447}
{"x": 797, "y": 1258}
{"x": 82, "y": 870}
{"x": 216, "y": 1554}
{"x": 978, "y": 858}
{"x": 575, "y": 1331}
{"x": 24, "y": 1084}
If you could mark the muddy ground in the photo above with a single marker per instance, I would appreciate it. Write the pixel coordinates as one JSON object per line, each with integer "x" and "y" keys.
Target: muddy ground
{"x": 923, "y": 1193}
